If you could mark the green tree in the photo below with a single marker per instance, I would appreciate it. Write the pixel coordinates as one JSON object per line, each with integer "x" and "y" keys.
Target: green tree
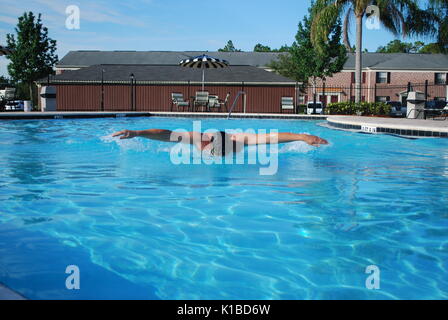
{"x": 397, "y": 46}
{"x": 229, "y": 47}
{"x": 305, "y": 62}
{"x": 33, "y": 52}
{"x": 283, "y": 48}
{"x": 261, "y": 48}
{"x": 433, "y": 48}
{"x": 393, "y": 15}
{"x": 440, "y": 10}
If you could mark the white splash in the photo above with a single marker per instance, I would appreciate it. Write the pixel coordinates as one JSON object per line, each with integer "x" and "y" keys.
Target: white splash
{"x": 126, "y": 144}
{"x": 295, "y": 147}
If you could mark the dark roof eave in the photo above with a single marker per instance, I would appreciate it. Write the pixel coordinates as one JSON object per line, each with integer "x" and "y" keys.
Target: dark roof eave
{"x": 248, "y": 83}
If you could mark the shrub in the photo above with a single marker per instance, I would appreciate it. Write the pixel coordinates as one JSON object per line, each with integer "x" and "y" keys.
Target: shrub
{"x": 301, "y": 108}
{"x": 364, "y": 108}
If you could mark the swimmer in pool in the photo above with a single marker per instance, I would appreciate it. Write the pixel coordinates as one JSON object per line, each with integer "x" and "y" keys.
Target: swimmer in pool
{"x": 220, "y": 143}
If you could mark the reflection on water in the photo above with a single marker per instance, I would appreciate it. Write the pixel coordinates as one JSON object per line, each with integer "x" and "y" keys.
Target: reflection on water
{"x": 224, "y": 231}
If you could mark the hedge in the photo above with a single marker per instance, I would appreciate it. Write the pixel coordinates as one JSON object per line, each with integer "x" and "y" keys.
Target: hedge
{"x": 364, "y": 108}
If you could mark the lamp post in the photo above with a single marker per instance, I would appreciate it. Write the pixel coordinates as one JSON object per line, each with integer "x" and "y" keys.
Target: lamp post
{"x": 132, "y": 77}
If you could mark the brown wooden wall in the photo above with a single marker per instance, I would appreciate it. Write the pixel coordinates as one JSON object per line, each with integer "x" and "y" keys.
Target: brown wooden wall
{"x": 259, "y": 99}
{"x": 78, "y": 97}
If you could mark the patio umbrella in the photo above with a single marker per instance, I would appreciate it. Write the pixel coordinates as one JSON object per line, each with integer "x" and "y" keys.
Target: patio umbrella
{"x": 204, "y": 62}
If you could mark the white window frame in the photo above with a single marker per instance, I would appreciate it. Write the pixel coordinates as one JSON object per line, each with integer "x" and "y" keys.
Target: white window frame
{"x": 379, "y": 78}
{"x": 443, "y": 78}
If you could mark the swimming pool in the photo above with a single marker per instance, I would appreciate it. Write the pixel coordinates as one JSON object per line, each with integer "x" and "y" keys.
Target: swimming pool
{"x": 138, "y": 226}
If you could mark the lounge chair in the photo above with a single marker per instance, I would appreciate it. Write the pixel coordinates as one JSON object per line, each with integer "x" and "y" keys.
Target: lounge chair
{"x": 177, "y": 99}
{"x": 201, "y": 100}
{"x": 287, "y": 103}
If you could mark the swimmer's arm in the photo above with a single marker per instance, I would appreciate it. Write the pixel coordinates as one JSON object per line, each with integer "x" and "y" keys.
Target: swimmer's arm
{"x": 281, "y": 137}
{"x": 159, "y": 134}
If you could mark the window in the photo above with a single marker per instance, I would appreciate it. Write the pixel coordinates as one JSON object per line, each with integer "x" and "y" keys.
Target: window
{"x": 382, "y": 99}
{"x": 364, "y": 76}
{"x": 440, "y": 78}
{"x": 363, "y": 99}
{"x": 382, "y": 77}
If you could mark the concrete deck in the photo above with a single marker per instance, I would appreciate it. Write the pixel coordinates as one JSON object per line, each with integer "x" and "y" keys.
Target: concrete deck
{"x": 8, "y": 294}
{"x": 69, "y": 115}
{"x": 400, "y": 126}
{"x": 118, "y": 114}
{"x": 240, "y": 115}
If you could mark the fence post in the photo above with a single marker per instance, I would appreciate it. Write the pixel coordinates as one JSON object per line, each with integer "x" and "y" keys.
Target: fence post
{"x": 296, "y": 97}
{"x": 324, "y": 102}
{"x": 102, "y": 89}
{"x": 426, "y": 90}
{"x": 244, "y": 97}
{"x": 132, "y": 90}
{"x": 374, "y": 92}
{"x": 350, "y": 93}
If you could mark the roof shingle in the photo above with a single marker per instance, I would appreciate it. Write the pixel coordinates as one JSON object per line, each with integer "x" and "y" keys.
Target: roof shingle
{"x": 89, "y": 58}
{"x": 167, "y": 73}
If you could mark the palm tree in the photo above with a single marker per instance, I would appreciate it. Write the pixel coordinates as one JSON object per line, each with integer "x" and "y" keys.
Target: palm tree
{"x": 440, "y": 9}
{"x": 393, "y": 15}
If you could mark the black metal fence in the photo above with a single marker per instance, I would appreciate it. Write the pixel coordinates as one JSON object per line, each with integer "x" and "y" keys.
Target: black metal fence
{"x": 377, "y": 93}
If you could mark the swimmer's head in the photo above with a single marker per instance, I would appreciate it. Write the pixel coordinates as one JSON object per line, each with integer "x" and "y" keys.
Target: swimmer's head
{"x": 219, "y": 144}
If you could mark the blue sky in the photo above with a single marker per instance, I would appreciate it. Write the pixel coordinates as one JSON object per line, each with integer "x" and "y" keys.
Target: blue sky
{"x": 168, "y": 24}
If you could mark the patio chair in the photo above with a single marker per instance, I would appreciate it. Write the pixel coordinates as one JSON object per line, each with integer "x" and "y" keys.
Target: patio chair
{"x": 201, "y": 99}
{"x": 177, "y": 99}
{"x": 287, "y": 103}
{"x": 213, "y": 102}
{"x": 436, "y": 109}
{"x": 222, "y": 103}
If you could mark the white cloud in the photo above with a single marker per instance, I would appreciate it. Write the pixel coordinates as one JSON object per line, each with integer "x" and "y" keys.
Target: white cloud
{"x": 98, "y": 12}
{"x": 8, "y": 20}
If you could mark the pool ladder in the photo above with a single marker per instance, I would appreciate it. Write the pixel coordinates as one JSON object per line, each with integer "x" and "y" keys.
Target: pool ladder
{"x": 235, "y": 101}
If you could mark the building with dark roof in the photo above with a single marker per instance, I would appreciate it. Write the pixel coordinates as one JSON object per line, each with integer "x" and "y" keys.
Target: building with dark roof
{"x": 387, "y": 77}
{"x": 84, "y": 58}
{"x": 174, "y": 74}
{"x": 392, "y": 61}
{"x": 399, "y": 61}
{"x": 149, "y": 87}
{"x": 100, "y": 80}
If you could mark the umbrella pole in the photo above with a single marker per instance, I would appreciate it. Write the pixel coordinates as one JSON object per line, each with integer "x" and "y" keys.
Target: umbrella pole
{"x": 203, "y": 77}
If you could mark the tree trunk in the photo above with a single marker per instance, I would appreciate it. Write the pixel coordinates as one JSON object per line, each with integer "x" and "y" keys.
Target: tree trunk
{"x": 345, "y": 32}
{"x": 30, "y": 86}
{"x": 358, "y": 64}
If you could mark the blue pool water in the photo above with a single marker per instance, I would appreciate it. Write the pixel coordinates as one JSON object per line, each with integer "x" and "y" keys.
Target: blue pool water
{"x": 138, "y": 226}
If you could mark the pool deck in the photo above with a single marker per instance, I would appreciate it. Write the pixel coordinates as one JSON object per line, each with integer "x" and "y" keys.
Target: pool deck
{"x": 118, "y": 114}
{"x": 398, "y": 126}
{"x": 8, "y": 294}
